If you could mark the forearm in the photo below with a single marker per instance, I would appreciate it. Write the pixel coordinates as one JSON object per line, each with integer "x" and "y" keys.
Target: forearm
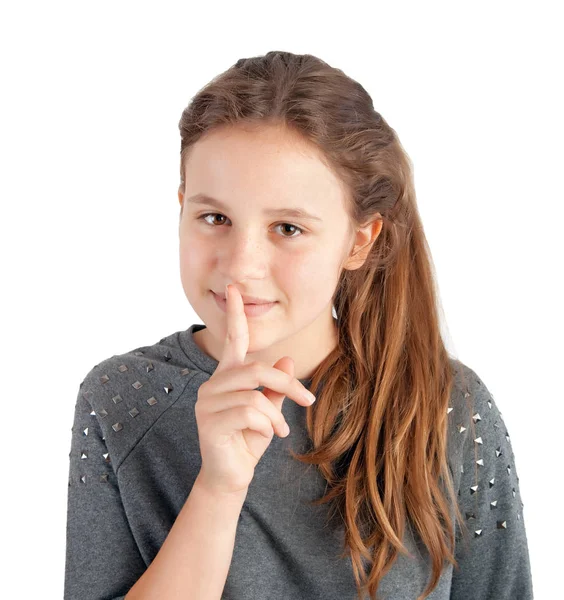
{"x": 194, "y": 560}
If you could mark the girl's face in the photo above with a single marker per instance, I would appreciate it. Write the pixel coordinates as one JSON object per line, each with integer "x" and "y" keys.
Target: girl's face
{"x": 293, "y": 260}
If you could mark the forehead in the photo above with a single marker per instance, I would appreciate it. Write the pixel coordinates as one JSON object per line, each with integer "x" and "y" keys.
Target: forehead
{"x": 270, "y": 163}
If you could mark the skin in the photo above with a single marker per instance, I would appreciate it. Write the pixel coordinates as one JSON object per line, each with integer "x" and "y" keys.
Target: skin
{"x": 251, "y": 170}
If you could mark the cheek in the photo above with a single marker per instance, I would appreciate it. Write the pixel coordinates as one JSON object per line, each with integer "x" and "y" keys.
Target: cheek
{"x": 192, "y": 259}
{"x": 311, "y": 277}
{"x": 193, "y": 253}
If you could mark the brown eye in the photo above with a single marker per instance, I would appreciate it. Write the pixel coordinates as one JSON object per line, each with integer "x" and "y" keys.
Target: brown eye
{"x": 290, "y": 225}
{"x": 211, "y": 215}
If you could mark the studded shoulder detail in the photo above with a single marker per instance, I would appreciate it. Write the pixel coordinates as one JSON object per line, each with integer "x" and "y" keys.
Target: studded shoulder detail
{"x": 492, "y": 547}
{"x": 119, "y": 400}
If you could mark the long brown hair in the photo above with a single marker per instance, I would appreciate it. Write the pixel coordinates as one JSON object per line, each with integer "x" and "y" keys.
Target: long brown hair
{"x": 379, "y": 427}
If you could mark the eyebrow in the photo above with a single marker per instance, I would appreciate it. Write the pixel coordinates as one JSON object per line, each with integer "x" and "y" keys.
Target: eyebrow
{"x": 298, "y": 213}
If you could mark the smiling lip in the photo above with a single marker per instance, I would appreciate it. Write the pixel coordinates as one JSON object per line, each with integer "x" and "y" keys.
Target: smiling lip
{"x": 251, "y": 310}
{"x": 248, "y": 299}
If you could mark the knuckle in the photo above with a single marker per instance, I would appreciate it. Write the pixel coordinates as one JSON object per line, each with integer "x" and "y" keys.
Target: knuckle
{"x": 248, "y": 412}
{"x": 255, "y": 398}
{"x": 255, "y": 369}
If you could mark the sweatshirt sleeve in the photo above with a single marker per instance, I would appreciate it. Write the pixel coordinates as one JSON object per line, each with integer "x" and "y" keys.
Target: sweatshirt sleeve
{"x": 102, "y": 559}
{"x": 493, "y": 556}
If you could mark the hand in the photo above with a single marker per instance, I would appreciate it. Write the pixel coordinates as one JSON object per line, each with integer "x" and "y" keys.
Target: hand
{"x": 236, "y": 422}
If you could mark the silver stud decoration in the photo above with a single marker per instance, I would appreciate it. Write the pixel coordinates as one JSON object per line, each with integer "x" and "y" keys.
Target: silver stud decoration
{"x": 513, "y": 492}
{"x": 104, "y": 478}
{"x": 496, "y": 425}
{"x": 106, "y": 456}
{"x": 104, "y": 379}
{"x": 149, "y": 367}
{"x": 470, "y": 515}
{"x": 478, "y": 533}
{"x": 93, "y": 413}
{"x": 117, "y": 426}
{"x": 506, "y": 436}
{"x": 502, "y": 524}
{"x": 509, "y": 469}
{"x": 85, "y": 431}
{"x": 461, "y": 428}
{"x": 493, "y": 504}
{"x": 167, "y": 355}
{"x": 83, "y": 455}
{"x": 133, "y": 412}
{"x": 152, "y": 401}
{"x": 185, "y": 371}
{"x": 449, "y": 410}
{"x": 117, "y": 399}
{"x": 83, "y": 478}
{"x": 122, "y": 368}
{"x": 478, "y": 440}
{"x": 87, "y": 395}
{"x": 102, "y": 413}
{"x": 492, "y": 482}
{"x": 498, "y": 452}
{"x": 480, "y": 462}
{"x": 139, "y": 353}
{"x": 137, "y": 385}
{"x": 168, "y": 388}
{"x": 477, "y": 418}
{"x": 466, "y": 394}
{"x": 490, "y": 403}
{"x": 473, "y": 489}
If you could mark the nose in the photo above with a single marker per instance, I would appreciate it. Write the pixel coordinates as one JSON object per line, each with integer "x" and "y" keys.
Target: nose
{"x": 243, "y": 254}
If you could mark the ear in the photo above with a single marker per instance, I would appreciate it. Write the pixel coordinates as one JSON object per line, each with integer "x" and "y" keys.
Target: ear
{"x": 365, "y": 237}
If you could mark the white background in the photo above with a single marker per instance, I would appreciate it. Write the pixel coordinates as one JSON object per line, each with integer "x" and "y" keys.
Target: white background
{"x": 91, "y": 98}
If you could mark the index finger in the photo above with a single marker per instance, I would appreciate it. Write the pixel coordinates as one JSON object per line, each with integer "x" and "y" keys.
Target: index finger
{"x": 237, "y": 336}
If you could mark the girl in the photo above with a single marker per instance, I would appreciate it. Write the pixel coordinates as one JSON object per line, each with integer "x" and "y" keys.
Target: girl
{"x": 398, "y": 481}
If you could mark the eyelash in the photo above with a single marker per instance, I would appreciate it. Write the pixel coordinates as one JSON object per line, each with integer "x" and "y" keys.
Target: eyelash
{"x": 202, "y": 218}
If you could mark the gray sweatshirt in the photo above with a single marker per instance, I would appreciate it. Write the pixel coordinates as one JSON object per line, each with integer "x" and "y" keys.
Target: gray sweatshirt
{"x": 135, "y": 454}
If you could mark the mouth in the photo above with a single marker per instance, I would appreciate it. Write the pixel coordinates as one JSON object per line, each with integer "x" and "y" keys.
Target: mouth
{"x": 247, "y": 300}
{"x": 251, "y": 309}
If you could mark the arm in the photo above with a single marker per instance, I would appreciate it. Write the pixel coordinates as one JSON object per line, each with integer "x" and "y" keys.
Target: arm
{"x": 102, "y": 558}
{"x": 194, "y": 560}
{"x": 493, "y": 557}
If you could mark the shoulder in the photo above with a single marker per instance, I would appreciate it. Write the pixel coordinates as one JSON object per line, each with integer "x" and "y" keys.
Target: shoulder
{"x": 481, "y": 454}
{"x": 475, "y": 423}
{"x": 128, "y": 392}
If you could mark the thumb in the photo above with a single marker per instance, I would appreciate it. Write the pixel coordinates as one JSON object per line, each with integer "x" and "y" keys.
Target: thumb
{"x": 286, "y": 364}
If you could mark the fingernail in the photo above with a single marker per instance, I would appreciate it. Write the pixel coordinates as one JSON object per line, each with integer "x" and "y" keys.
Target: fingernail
{"x": 310, "y": 396}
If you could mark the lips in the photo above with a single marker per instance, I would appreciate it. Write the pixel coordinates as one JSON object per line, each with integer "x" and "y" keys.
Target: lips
{"x": 252, "y": 311}
{"x": 248, "y": 300}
